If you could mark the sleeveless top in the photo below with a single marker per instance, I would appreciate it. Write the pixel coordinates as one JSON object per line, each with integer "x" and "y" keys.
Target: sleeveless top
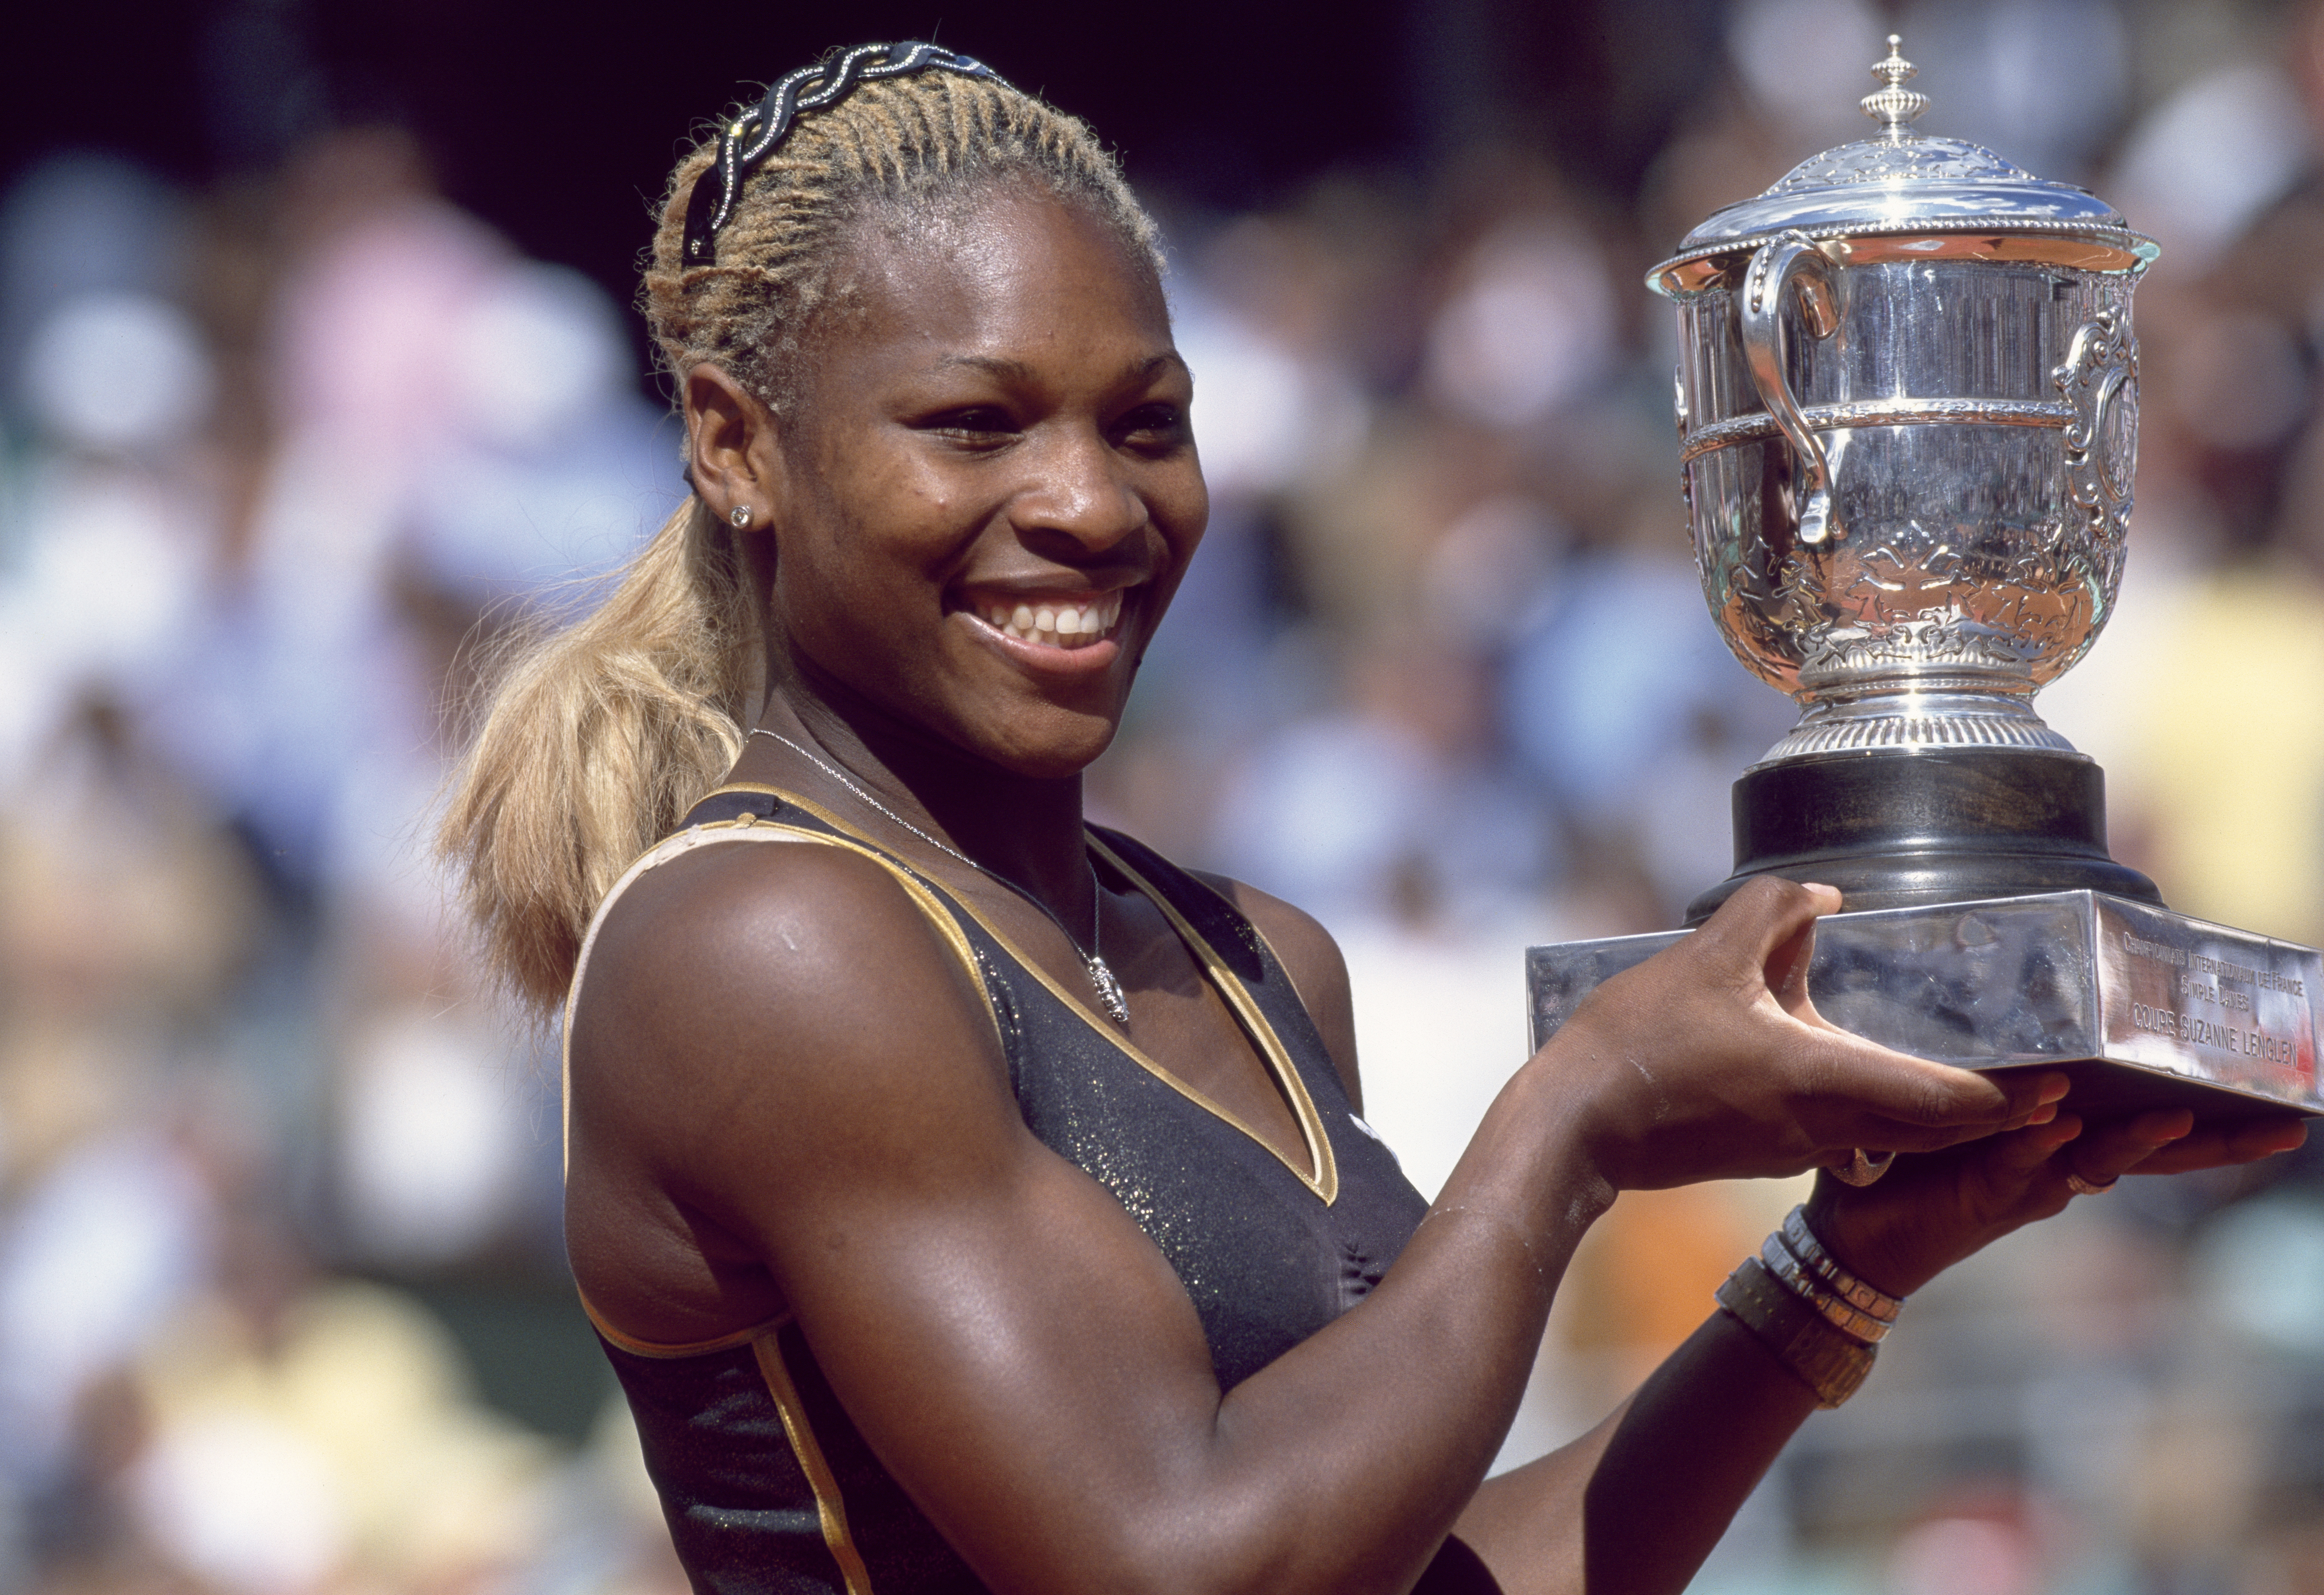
{"x": 767, "y": 1485}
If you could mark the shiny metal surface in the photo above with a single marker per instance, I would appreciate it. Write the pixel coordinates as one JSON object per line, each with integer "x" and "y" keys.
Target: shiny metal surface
{"x": 1915, "y": 237}
{"x": 2147, "y": 1007}
{"x": 1907, "y": 461}
{"x": 1792, "y": 264}
{"x": 1883, "y": 412}
{"x": 1900, "y": 182}
{"x": 1883, "y": 187}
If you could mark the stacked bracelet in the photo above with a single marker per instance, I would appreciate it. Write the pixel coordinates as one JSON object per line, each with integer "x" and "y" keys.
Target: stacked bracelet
{"x": 1801, "y": 1241}
{"x": 1855, "y": 1325}
{"x": 1821, "y": 1322}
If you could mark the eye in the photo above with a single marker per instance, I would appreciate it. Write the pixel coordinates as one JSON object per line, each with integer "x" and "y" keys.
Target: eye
{"x": 983, "y": 424}
{"x": 1158, "y": 425}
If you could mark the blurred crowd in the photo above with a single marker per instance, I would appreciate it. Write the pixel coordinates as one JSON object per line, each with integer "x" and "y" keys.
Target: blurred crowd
{"x": 281, "y": 1297}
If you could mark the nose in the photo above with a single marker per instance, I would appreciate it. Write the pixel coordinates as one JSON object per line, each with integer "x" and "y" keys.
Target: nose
{"x": 1080, "y": 493}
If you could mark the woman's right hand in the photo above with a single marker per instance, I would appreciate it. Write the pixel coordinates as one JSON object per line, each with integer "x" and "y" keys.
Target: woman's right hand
{"x": 1708, "y": 1061}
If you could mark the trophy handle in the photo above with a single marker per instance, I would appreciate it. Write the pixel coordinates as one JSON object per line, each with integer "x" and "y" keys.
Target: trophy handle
{"x": 1794, "y": 257}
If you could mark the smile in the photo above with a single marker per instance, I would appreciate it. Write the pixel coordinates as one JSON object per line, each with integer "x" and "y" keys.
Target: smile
{"x": 1052, "y": 622}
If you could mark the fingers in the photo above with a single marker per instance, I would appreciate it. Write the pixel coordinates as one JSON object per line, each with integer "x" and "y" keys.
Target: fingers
{"x": 1764, "y": 928}
{"x": 2112, "y": 1150}
{"x": 2266, "y": 1138}
{"x": 1898, "y": 1136}
{"x": 2018, "y": 1158}
{"x": 1921, "y": 1103}
{"x": 2219, "y": 1145}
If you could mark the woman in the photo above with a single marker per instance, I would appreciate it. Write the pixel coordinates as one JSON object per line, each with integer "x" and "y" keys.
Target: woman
{"x": 968, "y": 1198}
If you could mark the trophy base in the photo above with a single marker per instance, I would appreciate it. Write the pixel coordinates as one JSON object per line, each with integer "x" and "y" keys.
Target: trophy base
{"x": 2143, "y": 1007}
{"x": 1896, "y": 830}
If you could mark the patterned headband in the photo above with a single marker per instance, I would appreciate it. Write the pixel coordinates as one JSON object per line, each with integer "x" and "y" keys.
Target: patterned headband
{"x": 817, "y": 87}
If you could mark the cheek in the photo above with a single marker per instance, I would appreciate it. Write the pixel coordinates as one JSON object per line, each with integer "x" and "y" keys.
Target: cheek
{"x": 932, "y": 500}
{"x": 1181, "y": 514}
{"x": 866, "y": 602}
{"x": 1192, "y": 515}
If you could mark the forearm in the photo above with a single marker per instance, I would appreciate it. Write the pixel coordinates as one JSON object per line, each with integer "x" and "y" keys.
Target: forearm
{"x": 1699, "y": 1436}
{"x": 1637, "y": 1505}
{"x": 1440, "y": 1354}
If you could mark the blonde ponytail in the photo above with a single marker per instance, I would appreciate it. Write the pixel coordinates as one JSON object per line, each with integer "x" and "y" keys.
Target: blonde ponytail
{"x": 599, "y": 737}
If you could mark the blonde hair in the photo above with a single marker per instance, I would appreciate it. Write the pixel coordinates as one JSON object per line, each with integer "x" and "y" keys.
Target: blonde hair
{"x": 600, "y": 736}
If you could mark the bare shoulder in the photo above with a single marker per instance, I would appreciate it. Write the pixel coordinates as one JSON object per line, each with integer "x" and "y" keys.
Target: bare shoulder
{"x": 1316, "y": 965}
{"x": 749, "y": 1009}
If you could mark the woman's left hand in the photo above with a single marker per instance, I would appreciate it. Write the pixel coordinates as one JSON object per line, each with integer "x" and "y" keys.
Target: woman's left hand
{"x": 1933, "y": 1209}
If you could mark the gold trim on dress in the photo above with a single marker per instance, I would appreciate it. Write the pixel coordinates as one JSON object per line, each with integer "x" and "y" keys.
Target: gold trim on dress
{"x": 1355, "y": 1105}
{"x": 749, "y": 828}
{"x": 663, "y": 1352}
{"x": 829, "y": 1506}
{"x": 1322, "y": 1174}
{"x": 1325, "y": 1181}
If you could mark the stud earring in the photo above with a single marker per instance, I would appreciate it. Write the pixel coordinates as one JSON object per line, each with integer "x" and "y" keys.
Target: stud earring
{"x": 740, "y": 516}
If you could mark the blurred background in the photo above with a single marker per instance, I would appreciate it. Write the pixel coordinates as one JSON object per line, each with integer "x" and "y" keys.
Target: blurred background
{"x": 317, "y": 363}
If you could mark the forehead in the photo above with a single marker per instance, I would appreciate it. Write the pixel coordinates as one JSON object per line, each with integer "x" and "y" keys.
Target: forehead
{"x": 1025, "y": 274}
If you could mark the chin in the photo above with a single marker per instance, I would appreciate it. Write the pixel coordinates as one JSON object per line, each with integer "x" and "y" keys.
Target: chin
{"x": 1051, "y": 751}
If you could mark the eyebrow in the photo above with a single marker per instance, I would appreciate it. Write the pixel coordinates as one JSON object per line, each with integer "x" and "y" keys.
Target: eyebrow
{"x": 1018, "y": 371}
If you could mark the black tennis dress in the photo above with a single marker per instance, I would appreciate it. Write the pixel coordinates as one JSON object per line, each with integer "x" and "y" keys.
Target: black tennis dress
{"x": 767, "y": 1484}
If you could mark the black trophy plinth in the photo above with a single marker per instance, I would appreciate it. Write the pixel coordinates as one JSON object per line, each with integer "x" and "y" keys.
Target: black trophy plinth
{"x": 1906, "y": 830}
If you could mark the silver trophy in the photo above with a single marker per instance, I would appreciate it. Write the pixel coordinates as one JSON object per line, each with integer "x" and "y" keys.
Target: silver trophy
{"x": 1907, "y": 400}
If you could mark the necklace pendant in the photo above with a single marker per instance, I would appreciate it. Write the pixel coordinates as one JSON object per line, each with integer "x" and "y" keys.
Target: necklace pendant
{"x": 1108, "y": 990}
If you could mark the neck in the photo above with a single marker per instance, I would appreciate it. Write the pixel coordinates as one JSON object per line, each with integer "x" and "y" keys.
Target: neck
{"x": 1026, "y": 829}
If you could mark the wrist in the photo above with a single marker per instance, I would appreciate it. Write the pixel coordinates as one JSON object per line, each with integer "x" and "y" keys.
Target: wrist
{"x": 1577, "y": 1154}
{"x": 1833, "y": 1364}
{"x": 1532, "y": 1158}
{"x": 1855, "y": 1234}
{"x": 1579, "y": 1105}
{"x": 1822, "y": 1321}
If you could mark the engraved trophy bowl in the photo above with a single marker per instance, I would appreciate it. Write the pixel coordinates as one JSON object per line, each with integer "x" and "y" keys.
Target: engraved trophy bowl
{"x": 1907, "y": 398}
{"x": 1907, "y": 408}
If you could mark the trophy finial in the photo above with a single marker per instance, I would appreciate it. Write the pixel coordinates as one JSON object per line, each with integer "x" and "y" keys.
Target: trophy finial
{"x": 1892, "y": 106}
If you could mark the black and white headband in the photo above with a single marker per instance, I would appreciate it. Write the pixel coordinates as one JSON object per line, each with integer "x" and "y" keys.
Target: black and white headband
{"x": 818, "y": 88}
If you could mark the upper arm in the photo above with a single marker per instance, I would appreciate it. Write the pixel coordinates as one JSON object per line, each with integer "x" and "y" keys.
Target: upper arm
{"x": 1316, "y": 968}
{"x": 783, "y": 1043}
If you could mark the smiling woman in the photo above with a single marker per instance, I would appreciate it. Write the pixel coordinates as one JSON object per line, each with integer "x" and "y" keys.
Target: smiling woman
{"x": 970, "y": 1198}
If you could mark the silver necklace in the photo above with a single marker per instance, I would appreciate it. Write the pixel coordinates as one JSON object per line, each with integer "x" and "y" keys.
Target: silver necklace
{"x": 1101, "y": 973}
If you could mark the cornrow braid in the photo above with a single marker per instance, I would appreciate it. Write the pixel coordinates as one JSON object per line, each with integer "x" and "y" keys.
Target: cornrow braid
{"x": 810, "y": 88}
{"x": 599, "y": 736}
{"x": 904, "y": 142}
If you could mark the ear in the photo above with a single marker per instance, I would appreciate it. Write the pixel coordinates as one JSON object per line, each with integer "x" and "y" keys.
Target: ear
{"x": 732, "y": 452}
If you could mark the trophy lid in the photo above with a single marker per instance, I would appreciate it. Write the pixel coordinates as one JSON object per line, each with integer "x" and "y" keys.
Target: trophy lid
{"x": 1904, "y": 195}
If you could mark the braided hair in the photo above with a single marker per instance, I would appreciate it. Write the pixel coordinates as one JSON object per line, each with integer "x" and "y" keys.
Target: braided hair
{"x": 600, "y": 736}
{"x": 904, "y": 146}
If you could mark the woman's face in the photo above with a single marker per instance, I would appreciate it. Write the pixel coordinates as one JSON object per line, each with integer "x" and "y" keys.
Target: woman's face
{"x": 988, "y": 484}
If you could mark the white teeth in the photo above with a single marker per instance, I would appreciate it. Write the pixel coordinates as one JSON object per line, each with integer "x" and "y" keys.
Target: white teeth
{"x": 1054, "y": 624}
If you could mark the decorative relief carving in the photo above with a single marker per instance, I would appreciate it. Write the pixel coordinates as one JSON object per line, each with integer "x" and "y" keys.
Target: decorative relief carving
{"x": 1888, "y": 160}
{"x": 1917, "y": 730}
{"x": 2099, "y": 381}
{"x": 1985, "y": 558}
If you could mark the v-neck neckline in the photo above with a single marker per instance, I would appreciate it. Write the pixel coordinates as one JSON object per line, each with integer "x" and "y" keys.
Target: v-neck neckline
{"x": 1321, "y": 1176}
